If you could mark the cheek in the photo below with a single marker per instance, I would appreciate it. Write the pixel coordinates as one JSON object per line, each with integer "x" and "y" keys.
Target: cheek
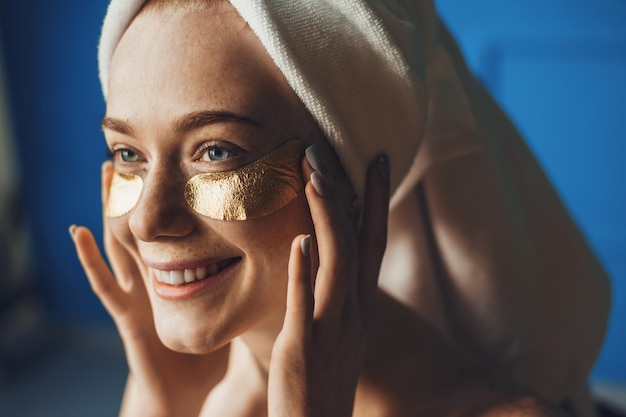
{"x": 266, "y": 241}
{"x": 284, "y": 225}
{"x": 122, "y": 234}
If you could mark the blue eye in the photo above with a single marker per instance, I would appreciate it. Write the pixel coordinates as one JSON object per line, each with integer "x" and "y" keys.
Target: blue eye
{"x": 216, "y": 153}
{"x": 127, "y": 155}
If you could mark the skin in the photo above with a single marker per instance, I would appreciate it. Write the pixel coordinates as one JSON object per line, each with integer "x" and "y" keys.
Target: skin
{"x": 263, "y": 340}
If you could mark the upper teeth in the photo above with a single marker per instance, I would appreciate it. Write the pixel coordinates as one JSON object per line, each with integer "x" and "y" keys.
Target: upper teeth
{"x": 187, "y": 275}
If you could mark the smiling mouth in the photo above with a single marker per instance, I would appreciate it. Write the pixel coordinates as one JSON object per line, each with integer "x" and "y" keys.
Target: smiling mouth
{"x": 186, "y": 276}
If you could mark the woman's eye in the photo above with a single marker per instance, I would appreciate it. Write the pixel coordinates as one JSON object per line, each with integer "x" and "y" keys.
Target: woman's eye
{"x": 127, "y": 155}
{"x": 217, "y": 153}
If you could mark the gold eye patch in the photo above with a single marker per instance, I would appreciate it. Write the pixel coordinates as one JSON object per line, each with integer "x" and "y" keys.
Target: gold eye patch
{"x": 123, "y": 194}
{"x": 257, "y": 189}
{"x": 254, "y": 190}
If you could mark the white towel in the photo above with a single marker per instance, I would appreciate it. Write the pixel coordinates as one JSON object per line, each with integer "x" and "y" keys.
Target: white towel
{"x": 365, "y": 92}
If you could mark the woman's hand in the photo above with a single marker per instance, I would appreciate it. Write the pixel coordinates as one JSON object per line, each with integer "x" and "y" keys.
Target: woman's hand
{"x": 161, "y": 381}
{"x": 317, "y": 357}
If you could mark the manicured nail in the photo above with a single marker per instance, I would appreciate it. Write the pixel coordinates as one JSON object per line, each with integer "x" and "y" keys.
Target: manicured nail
{"x": 383, "y": 166}
{"x": 315, "y": 158}
{"x": 305, "y": 246}
{"x": 72, "y": 229}
{"x": 318, "y": 183}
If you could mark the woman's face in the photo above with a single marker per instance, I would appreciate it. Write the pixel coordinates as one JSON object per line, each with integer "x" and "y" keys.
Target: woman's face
{"x": 193, "y": 92}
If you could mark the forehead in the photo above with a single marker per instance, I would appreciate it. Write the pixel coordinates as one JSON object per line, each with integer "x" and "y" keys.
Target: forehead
{"x": 175, "y": 62}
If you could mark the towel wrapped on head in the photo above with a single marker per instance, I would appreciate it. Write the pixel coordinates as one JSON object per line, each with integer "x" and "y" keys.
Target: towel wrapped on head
{"x": 359, "y": 69}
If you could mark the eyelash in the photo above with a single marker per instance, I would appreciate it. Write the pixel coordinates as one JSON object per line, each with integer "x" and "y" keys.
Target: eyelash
{"x": 233, "y": 150}
{"x": 114, "y": 154}
{"x": 204, "y": 149}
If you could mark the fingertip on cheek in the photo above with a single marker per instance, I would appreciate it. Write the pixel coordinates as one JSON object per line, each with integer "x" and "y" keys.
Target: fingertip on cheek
{"x": 298, "y": 242}
{"x": 318, "y": 183}
{"x": 307, "y": 170}
{"x": 315, "y": 158}
{"x": 305, "y": 246}
{"x": 310, "y": 192}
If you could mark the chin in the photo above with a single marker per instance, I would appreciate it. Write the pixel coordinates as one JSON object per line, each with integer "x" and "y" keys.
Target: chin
{"x": 189, "y": 337}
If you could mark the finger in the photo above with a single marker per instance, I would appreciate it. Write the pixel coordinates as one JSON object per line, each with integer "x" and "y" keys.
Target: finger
{"x": 100, "y": 278}
{"x": 373, "y": 234}
{"x": 299, "y": 315}
{"x": 123, "y": 263}
{"x": 335, "y": 245}
{"x": 348, "y": 201}
{"x": 315, "y": 161}
{"x": 306, "y": 169}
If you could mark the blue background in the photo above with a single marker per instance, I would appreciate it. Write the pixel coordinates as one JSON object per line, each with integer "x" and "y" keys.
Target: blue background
{"x": 558, "y": 67}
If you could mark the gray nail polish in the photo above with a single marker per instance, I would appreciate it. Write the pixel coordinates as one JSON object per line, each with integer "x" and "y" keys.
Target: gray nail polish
{"x": 383, "y": 166}
{"x": 315, "y": 158}
{"x": 305, "y": 246}
{"x": 318, "y": 183}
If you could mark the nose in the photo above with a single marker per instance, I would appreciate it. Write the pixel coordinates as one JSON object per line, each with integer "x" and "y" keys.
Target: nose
{"x": 161, "y": 210}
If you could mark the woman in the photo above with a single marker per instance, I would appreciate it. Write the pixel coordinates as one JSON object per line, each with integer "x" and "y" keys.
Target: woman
{"x": 215, "y": 238}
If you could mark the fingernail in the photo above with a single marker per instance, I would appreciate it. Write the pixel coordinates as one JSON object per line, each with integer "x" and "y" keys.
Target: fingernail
{"x": 305, "y": 246}
{"x": 318, "y": 183}
{"x": 383, "y": 166}
{"x": 72, "y": 228}
{"x": 315, "y": 158}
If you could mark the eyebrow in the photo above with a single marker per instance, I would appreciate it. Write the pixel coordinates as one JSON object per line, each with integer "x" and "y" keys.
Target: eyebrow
{"x": 199, "y": 119}
{"x": 117, "y": 125}
{"x": 186, "y": 123}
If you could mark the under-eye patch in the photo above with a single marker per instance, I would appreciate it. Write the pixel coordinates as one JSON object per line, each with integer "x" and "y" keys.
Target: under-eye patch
{"x": 123, "y": 194}
{"x": 254, "y": 190}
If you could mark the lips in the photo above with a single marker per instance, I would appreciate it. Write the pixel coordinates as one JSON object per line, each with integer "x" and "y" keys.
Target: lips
{"x": 179, "y": 277}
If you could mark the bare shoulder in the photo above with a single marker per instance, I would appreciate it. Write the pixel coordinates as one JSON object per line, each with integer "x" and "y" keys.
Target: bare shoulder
{"x": 410, "y": 369}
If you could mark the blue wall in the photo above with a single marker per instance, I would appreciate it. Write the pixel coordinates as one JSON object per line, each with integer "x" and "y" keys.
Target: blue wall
{"x": 50, "y": 49}
{"x": 558, "y": 67}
